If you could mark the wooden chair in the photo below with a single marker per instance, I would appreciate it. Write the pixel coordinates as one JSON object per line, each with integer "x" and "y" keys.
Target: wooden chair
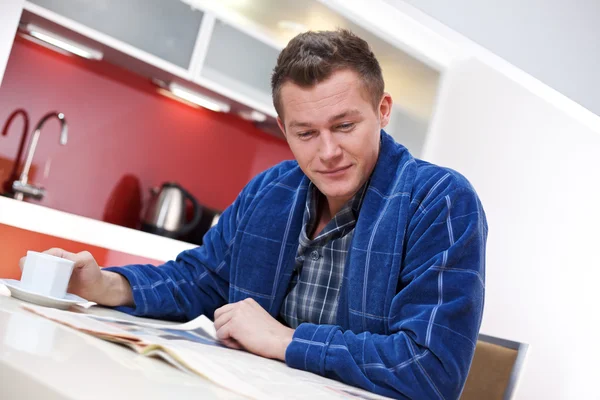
{"x": 495, "y": 369}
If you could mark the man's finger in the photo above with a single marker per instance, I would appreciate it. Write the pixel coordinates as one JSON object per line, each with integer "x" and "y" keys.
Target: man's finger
{"x": 82, "y": 259}
{"x": 57, "y": 252}
{"x": 224, "y": 332}
{"x": 22, "y": 263}
{"x": 221, "y": 310}
{"x": 223, "y": 318}
{"x": 232, "y": 344}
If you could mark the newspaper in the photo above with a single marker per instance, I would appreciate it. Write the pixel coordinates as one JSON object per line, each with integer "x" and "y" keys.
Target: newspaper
{"x": 194, "y": 348}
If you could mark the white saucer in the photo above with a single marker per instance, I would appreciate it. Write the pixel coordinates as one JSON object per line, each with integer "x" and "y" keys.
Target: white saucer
{"x": 18, "y": 292}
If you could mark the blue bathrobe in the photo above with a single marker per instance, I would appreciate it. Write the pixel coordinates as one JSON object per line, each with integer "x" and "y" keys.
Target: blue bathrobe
{"x": 412, "y": 295}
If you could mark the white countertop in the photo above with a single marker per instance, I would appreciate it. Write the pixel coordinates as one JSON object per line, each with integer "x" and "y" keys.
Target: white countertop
{"x": 86, "y": 230}
{"x": 41, "y": 359}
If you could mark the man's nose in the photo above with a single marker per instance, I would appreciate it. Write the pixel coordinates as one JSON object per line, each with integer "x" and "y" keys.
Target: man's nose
{"x": 330, "y": 148}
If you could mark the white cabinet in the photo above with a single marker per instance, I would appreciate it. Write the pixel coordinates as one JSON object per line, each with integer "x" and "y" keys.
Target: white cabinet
{"x": 227, "y": 55}
{"x": 230, "y": 48}
{"x": 167, "y": 29}
{"x": 9, "y": 19}
{"x": 169, "y": 41}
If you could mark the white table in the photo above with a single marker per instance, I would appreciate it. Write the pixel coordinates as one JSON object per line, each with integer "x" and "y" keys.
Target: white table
{"x": 41, "y": 359}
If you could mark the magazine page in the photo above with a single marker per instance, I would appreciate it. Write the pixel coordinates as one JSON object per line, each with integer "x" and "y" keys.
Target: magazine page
{"x": 196, "y": 350}
{"x": 273, "y": 378}
{"x": 83, "y": 322}
{"x": 122, "y": 328}
{"x": 199, "y": 322}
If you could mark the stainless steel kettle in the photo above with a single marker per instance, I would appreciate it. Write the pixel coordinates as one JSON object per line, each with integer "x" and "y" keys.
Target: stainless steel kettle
{"x": 166, "y": 212}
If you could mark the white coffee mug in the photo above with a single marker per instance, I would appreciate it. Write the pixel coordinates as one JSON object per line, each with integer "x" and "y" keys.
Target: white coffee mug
{"x": 45, "y": 274}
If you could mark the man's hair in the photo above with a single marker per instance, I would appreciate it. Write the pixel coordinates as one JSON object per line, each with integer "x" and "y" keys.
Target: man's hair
{"x": 312, "y": 57}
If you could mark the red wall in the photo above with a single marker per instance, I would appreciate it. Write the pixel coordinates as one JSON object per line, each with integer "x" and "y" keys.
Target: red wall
{"x": 16, "y": 242}
{"x": 124, "y": 137}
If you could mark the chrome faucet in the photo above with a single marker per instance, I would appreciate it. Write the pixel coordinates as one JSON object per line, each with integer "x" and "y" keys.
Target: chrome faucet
{"x": 14, "y": 174}
{"x": 22, "y": 187}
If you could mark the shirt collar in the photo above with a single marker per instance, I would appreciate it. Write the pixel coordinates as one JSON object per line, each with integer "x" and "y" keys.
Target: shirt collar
{"x": 344, "y": 220}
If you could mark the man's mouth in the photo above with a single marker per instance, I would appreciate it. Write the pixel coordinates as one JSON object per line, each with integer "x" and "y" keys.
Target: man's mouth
{"x": 335, "y": 171}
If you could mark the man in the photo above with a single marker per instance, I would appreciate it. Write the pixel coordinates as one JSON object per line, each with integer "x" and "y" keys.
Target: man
{"x": 355, "y": 261}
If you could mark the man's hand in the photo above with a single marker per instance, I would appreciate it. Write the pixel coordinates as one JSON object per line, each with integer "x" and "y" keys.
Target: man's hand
{"x": 246, "y": 325}
{"x": 90, "y": 282}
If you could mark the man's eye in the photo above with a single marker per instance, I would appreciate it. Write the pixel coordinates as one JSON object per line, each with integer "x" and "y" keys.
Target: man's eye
{"x": 346, "y": 127}
{"x": 305, "y": 135}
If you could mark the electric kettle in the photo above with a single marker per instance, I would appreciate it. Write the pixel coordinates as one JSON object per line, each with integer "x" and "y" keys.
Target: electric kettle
{"x": 166, "y": 211}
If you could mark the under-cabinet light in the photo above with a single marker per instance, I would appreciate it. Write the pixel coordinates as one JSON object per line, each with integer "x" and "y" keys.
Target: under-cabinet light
{"x": 199, "y": 99}
{"x": 170, "y": 95}
{"x": 62, "y": 43}
{"x": 253, "y": 115}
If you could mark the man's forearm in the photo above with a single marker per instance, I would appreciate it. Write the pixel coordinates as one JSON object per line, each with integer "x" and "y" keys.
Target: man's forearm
{"x": 117, "y": 291}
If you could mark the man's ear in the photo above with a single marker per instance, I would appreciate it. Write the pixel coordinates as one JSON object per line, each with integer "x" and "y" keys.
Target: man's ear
{"x": 385, "y": 110}
{"x": 281, "y": 126}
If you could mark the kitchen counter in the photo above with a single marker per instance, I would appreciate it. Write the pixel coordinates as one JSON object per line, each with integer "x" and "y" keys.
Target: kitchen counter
{"x": 40, "y": 359}
{"x": 68, "y": 226}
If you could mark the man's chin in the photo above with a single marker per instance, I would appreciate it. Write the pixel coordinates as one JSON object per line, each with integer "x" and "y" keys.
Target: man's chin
{"x": 339, "y": 193}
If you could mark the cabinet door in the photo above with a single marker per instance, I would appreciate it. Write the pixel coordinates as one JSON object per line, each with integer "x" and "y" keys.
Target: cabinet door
{"x": 240, "y": 62}
{"x": 165, "y": 28}
{"x": 9, "y": 19}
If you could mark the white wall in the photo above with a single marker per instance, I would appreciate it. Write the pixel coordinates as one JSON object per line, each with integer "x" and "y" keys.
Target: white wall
{"x": 537, "y": 171}
{"x": 534, "y": 157}
{"x": 555, "y": 41}
{"x": 407, "y": 129}
{"x": 10, "y": 13}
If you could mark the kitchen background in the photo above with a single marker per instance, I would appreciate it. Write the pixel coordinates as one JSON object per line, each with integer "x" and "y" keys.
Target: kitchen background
{"x": 126, "y": 137}
{"x": 501, "y": 118}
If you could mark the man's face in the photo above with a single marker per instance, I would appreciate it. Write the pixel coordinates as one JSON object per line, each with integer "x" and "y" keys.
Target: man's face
{"x": 333, "y": 132}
